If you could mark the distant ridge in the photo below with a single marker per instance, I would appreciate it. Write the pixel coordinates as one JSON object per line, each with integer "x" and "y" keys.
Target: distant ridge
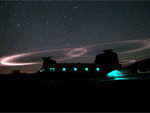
{"x": 142, "y": 65}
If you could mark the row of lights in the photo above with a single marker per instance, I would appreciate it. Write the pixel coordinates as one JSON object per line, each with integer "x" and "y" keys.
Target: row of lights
{"x": 75, "y": 69}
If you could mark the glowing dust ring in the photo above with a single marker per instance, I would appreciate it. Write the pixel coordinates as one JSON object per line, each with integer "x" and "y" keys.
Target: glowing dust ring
{"x": 8, "y": 61}
{"x": 72, "y": 52}
{"x": 127, "y": 62}
{"x": 146, "y": 45}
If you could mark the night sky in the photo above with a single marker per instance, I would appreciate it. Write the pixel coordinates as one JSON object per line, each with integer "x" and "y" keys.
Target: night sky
{"x": 71, "y": 31}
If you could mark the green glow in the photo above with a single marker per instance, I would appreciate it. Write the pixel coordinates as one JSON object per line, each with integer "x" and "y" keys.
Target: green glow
{"x": 86, "y": 69}
{"x": 130, "y": 78}
{"x": 64, "y": 69}
{"x": 52, "y": 69}
{"x": 42, "y": 70}
{"x": 121, "y": 78}
{"x": 117, "y": 73}
{"x": 143, "y": 72}
{"x": 75, "y": 69}
{"x": 98, "y": 69}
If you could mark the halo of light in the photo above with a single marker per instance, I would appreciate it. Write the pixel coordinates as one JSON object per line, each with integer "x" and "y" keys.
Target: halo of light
{"x": 9, "y": 60}
{"x": 72, "y": 53}
{"x": 69, "y": 53}
{"x": 145, "y": 45}
{"x": 127, "y": 61}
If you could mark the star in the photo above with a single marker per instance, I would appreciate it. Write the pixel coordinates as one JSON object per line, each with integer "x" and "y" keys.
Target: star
{"x": 72, "y": 24}
{"x": 75, "y": 7}
{"x": 18, "y": 25}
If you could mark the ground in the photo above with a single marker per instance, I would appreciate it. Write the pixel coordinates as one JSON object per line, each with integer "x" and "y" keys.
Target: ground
{"x": 39, "y": 93}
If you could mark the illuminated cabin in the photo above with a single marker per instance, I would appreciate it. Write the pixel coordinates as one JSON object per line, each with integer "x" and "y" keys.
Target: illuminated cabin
{"x": 104, "y": 63}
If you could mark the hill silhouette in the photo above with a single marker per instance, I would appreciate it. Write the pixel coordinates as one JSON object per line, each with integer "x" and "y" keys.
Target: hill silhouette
{"x": 143, "y": 65}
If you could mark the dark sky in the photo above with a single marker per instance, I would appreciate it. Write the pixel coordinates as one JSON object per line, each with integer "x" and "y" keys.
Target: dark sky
{"x": 72, "y": 31}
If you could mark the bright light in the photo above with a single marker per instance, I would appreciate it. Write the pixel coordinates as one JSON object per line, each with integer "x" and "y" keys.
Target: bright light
{"x": 75, "y": 69}
{"x": 86, "y": 69}
{"x": 52, "y": 69}
{"x": 97, "y": 69}
{"x": 42, "y": 70}
{"x": 121, "y": 78}
{"x": 117, "y": 73}
{"x": 64, "y": 69}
